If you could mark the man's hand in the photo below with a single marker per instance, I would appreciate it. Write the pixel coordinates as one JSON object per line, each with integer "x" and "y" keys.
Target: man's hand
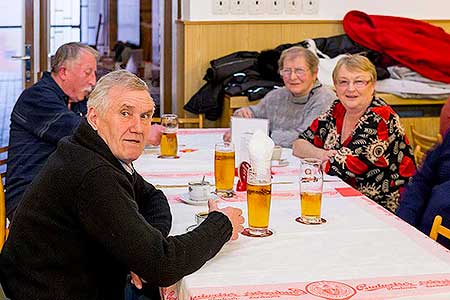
{"x": 137, "y": 281}
{"x": 244, "y": 112}
{"x": 234, "y": 215}
{"x": 155, "y": 134}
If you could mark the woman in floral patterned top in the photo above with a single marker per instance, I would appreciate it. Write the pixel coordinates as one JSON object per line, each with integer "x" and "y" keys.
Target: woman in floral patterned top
{"x": 360, "y": 138}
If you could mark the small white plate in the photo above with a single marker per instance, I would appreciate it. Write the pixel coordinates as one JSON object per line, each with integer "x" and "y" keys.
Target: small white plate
{"x": 149, "y": 149}
{"x": 185, "y": 198}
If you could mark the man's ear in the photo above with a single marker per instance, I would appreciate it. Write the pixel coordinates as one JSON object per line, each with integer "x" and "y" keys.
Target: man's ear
{"x": 62, "y": 73}
{"x": 92, "y": 117}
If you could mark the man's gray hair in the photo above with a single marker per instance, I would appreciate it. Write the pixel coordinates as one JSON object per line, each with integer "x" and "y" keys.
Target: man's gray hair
{"x": 297, "y": 51}
{"x": 70, "y": 52}
{"x": 99, "y": 98}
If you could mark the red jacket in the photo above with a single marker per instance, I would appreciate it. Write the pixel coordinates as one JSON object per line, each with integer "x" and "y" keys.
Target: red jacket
{"x": 418, "y": 45}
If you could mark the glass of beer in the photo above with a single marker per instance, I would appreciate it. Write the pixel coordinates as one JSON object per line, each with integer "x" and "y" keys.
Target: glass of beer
{"x": 259, "y": 191}
{"x": 311, "y": 182}
{"x": 169, "y": 142}
{"x": 224, "y": 156}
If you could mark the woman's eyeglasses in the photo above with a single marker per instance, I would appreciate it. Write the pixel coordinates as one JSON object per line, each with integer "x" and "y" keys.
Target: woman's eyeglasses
{"x": 288, "y": 72}
{"x": 357, "y": 83}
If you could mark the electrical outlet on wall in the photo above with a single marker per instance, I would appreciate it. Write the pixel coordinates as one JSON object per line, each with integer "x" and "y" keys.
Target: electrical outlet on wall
{"x": 238, "y": 7}
{"x": 220, "y": 7}
{"x": 293, "y": 7}
{"x": 256, "y": 7}
{"x": 275, "y": 7}
{"x": 310, "y": 7}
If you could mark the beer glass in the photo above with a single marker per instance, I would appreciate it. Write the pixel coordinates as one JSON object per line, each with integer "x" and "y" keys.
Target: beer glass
{"x": 224, "y": 156}
{"x": 311, "y": 181}
{"x": 169, "y": 143}
{"x": 259, "y": 191}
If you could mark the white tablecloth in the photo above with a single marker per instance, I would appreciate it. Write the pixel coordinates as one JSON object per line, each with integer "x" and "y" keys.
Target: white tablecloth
{"x": 361, "y": 252}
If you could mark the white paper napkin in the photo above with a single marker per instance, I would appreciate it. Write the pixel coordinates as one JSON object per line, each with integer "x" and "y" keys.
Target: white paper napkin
{"x": 260, "y": 148}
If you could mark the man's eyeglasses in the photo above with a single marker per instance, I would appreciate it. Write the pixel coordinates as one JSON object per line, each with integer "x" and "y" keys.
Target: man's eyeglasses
{"x": 288, "y": 72}
{"x": 357, "y": 83}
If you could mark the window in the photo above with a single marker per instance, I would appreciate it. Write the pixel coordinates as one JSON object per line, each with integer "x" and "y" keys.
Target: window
{"x": 65, "y": 23}
{"x": 128, "y": 21}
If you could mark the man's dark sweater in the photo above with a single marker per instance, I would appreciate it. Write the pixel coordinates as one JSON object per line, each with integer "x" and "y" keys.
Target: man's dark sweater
{"x": 85, "y": 222}
{"x": 40, "y": 118}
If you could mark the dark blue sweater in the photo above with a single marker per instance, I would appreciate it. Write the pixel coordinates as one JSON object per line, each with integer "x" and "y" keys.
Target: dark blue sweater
{"x": 40, "y": 118}
{"x": 428, "y": 192}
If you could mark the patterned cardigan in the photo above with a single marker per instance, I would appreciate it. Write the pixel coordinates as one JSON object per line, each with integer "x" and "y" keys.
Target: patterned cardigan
{"x": 376, "y": 158}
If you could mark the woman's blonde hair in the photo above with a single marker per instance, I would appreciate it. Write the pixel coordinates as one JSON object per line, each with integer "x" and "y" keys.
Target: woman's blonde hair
{"x": 355, "y": 62}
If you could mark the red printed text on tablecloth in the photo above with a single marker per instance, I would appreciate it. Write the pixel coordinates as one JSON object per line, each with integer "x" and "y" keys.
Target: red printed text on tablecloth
{"x": 362, "y": 289}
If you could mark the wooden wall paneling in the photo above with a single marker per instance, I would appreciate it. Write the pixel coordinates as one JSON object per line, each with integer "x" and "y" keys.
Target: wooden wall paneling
{"x": 294, "y": 33}
{"x": 193, "y": 66}
{"x": 208, "y": 40}
{"x": 179, "y": 68}
{"x": 264, "y": 36}
{"x": 444, "y": 24}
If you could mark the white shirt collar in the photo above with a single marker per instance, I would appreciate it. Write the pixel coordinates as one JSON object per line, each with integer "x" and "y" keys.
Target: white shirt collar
{"x": 128, "y": 167}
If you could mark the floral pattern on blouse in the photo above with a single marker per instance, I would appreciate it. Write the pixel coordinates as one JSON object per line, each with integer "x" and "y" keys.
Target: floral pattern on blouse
{"x": 376, "y": 158}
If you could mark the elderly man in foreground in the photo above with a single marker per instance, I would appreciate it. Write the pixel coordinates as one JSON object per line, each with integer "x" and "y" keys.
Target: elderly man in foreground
{"x": 85, "y": 223}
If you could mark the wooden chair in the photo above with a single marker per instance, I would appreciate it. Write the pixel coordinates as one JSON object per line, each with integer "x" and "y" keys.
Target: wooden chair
{"x": 422, "y": 144}
{"x": 183, "y": 121}
{"x": 3, "y": 151}
{"x": 3, "y": 230}
{"x": 438, "y": 228}
{"x": 424, "y": 141}
{"x": 419, "y": 156}
{"x": 231, "y": 104}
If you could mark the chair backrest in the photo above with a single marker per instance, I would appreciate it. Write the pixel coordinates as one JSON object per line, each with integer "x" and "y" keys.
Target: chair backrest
{"x": 438, "y": 228}
{"x": 3, "y": 151}
{"x": 424, "y": 141}
{"x": 422, "y": 144}
{"x": 419, "y": 155}
{"x": 183, "y": 121}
